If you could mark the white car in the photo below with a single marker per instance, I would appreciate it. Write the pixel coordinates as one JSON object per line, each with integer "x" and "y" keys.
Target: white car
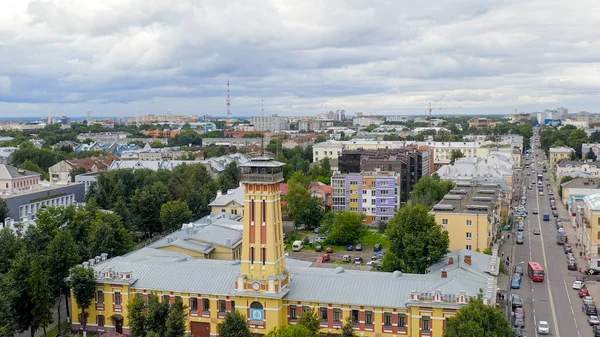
{"x": 578, "y": 285}
{"x": 588, "y": 300}
{"x": 593, "y": 320}
{"x": 543, "y": 328}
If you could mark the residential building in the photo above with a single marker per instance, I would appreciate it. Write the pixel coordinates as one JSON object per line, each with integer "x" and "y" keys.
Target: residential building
{"x": 367, "y": 120}
{"x": 231, "y": 202}
{"x": 591, "y": 229}
{"x": 552, "y": 116}
{"x": 482, "y": 123}
{"x": 272, "y": 290}
{"x": 595, "y": 147}
{"x": 270, "y": 123}
{"x": 558, "y": 153}
{"x": 375, "y": 194}
{"x": 497, "y": 168}
{"x": 6, "y": 154}
{"x": 398, "y": 119}
{"x": 407, "y": 162}
{"x": 151, "y": 119}
{"x": 60, "y": 173}
{"x": 14, "y": 180}
{"x": 576, "y": 123}
{"x": 574, "y": 169}
{"x": 579, "y": 188}
{"x": 65, "y": 144}
{"x": 87, "y": 179}
{"x": 237, "y": 142}
{"x": 322, "y": 191}
{"x": 167, "y": 133}
{"x": 471, "y": 216}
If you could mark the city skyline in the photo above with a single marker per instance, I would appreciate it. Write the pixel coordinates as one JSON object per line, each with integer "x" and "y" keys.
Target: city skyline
{"x": 301, "y": 57}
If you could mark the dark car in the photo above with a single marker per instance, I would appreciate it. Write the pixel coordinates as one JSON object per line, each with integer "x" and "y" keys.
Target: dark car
{"x": 519, "y": 270}
{"x": 349, "y": 248}
{"x": 519, "y": 322}
{"x": 318, "y": 248}
{"x": 358, "y": 247}
{"x": 596, "y": 330}
{"x": 592, "y": 271}
{"x": 518, "y": 332}
{"x": 377, "y": 247}
{"x": 520, "y": 240}
{"x": 572, "y": 266}
{"x": 590, "y": 309}
{"x": 516, "y": 301}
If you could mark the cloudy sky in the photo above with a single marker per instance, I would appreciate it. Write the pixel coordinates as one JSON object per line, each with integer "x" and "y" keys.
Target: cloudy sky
{"x": 116, "y": 57}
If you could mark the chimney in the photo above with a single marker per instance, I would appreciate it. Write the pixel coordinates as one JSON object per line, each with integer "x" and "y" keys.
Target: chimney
{"x": 468, "y": 259}
{"x": 444, "y": 273}
{"x": 450, "y": 261}
{"x": 103, "y": 256}
{"x": 97, "y": 258}
{"x": 92, "y": 262}
{"x": 219, "y": 194}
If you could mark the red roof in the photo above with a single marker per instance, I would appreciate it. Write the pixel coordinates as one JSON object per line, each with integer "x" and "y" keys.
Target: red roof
{"x": 284, "y": 188}
{"x": 101, "y": 163}
{"x": 321, "y": 187}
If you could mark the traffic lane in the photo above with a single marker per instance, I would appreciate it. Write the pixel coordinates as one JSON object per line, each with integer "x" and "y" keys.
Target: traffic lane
{"x": 521, "y": 254}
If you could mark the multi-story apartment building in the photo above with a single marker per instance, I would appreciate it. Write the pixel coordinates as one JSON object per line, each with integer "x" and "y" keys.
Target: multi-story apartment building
{"x": 367, "y": 120}
{"x": 374, "y": 194}
{"x": 557, "y": 154}
{"x": 470, "y": 215}
{"x": 272, "y": 290}
{"x": 272, "y": 123}
{"x": 550, "y": 116}
{"x": 574, "y": 169}
{"x": 411, "y": 164}
{"x": 591, "y": 229}
{"x": 149, "y": 119}
{"x": 482, "y": 123}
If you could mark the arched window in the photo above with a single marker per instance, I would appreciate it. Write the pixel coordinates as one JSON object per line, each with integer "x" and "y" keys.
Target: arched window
{"x": 256, "y": 305}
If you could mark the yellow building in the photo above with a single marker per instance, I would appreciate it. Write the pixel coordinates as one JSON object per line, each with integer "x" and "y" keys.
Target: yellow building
{"x": 557, "y": 154}
{"x": 231, "y": 202}
{"x": 591, "y": 229}
{"x": 272, "y": 290}
{"x": 482, "y": 123}
{"x": 470, "y": 215}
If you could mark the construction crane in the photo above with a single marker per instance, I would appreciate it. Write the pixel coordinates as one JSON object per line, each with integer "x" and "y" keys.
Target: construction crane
{"x": 446, "y": 107}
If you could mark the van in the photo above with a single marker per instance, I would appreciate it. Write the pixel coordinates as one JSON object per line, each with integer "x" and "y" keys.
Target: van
{"x": 297, "y": 246}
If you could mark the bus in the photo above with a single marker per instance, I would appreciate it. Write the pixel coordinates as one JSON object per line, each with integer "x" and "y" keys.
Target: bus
{"x": 536, "y": 272}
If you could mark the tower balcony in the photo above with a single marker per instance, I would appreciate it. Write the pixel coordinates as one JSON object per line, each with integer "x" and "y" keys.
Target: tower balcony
{"x": 261, "y": 170}
{"x": 268, "y": 178}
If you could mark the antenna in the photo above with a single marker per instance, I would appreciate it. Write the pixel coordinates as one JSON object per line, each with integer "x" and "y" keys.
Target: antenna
{"x": 228, "y": 101}
{"x": 262, "y": 107}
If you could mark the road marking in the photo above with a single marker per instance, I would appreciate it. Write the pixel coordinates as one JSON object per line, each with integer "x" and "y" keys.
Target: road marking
{"x": 557, "y": 332}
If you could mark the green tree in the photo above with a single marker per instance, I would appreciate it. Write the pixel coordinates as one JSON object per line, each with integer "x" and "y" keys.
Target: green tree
{"x": 298, "y": 198}
{"x": 145, "y": 206}
{"x": 347, "y": 330}
{"x": 416, "y": 239}
{"x": 173, "y": 214}
{"x": 595, "y": 137}
{"x": 4, "y": 211}
{"x": 7, "y": 311}
{"x": 478, "y": 320}
{"x": 63, "y": 253}
{"x": 176, "y": 321}
{"x": 429, "y": 190}
{"x": 76, "y": 171}
{"x": 108, "y": 235}
{"x": 234, "y": 325}
{"x": 10, "y": 245}
{"x": 137, "y": 316}
{"x": 347, "y": 228}
{"x": 83, "y": 287}
{"x": 291, "y": 331}
{"x": 31, "y": 166}
{"x": 576, "y": 138}
{"x": 158, "y": 315}
{"x": 590, "y": 155}
{"x": 455, "y": 155}
{"x": 41, "y": 296}
{"x": 310, "y": 320}
{"x": 230, "y": 177}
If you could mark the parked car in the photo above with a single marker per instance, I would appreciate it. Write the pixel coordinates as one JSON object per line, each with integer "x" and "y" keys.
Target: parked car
{"x": 326, "y": 257}
{"x": 349, "y": 248}
{"x": 519, "y": 322}
{"x": 518, "y": 332}
{"x": 592, "y": 271}
{"x": 519, "y": 270}
{"x": 572, "y": 266}
{"x": 318, "y": 248}
{"x": 320, "y": 260}
{"x": 320, "y": 239}
{"x": 358, "y": 247}
{"x": 583, "y": 292}
{"x": 329, "y": 250}
{"x": 543, "y": 328}
{"x": 590, "y": 309}
{"x": 515, "y": 283}
{"x": 358, "y": 260}
{"x": 535, "y": 211}
{"x": 519, "y": 312}
{"x": 346, "y": 258}
{"x": 593, "y": 320}
{"x": 520, "y": 240}
{"x": 578, "y": 284}
{"x": 377, "y": 247}
{"x": 588, "y": 300}
{"x": 516, "y": 301}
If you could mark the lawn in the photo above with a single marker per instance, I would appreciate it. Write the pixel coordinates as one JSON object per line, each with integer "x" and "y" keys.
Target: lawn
{"x": 367, "y": 241}
{"x": 63, "y": 325}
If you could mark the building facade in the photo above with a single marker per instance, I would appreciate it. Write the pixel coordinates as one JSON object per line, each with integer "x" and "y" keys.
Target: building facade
{"x": 374, "y": 194}
{"x": 591, "y": 228}
{"x": 482, "y": 123}
{"x": 579, "y": 188}
{"x": 557, "y": 154}
{"x": 575, "y": 169}
{"x": 231, "y": 202}
{"x": 272, "y": 123}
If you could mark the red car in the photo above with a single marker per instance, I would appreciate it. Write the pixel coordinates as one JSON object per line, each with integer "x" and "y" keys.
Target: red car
{"x": 320, "y": 260}
{"x": 519, "y": 312}
{"x": 326, "y": 257}
{"x": 329, "y": 250}
{"x": 583, "y": 292}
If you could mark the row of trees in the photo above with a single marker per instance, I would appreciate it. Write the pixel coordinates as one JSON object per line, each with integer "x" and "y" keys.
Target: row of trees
{"x": 567, "y": 135}
{"x": 154, "y": 318}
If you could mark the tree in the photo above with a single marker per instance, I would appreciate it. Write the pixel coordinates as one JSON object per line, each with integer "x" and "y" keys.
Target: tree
{"x": 173, "y": 214}
{"x": 298, "y": 198}
{"x": 455, "y": 155}
{"x": 291, "y": 331}
{"x": 10, "y": 246}
{"x": 310, "y": 320}
{"x": 83, "y": 286}
{"x": 31, "y": 166}
{"x": 158, "y": 313}
{"x": 347, "y": 228}
{"x": 7, "y": 312}
{"x": 21, "y": 301}
{"x": 145, "y": 207}
{"x": 234, "y": 325}
{"x": 347, "y": 330}
{"x": 595, "y": 137}
{"x": 591, "y": 155}
{"x": 429, "y": 190}
{"x": 108, "y": 235}
{"x": 416, "y": 239}
{"x": 576, "y": 138}
{"x": 63, "y": 253}
{"x": 76, "y": 171}
{"x": 176, "y": 321}
{"x": 41, "y": 296}
{"x": 4, "y": 211}
{"x": 478, "y": 320}
{"x": 137, "y": 316}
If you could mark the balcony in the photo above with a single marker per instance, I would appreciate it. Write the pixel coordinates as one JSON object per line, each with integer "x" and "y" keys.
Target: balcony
{"x": 267, "y": 178}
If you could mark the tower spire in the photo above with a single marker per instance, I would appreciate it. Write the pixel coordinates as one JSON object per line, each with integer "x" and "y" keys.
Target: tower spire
{"x": 228, "y": 101}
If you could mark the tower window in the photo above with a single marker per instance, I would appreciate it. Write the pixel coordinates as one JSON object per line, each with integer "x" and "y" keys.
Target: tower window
{"x": 264, "y": 255}
{"x": 252, "y": 211}
{"x": 251, "y": 255}
{"x": 264, "y": 211}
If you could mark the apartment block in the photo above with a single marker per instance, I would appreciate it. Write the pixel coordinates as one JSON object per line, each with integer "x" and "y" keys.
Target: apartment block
{"x": 272, "y": 123}
{"x": 557, "y": 154}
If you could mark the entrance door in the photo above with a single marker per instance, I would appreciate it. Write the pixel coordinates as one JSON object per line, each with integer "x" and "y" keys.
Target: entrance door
{"x": 200, "y": 329}
{"x": 119, "y": 326}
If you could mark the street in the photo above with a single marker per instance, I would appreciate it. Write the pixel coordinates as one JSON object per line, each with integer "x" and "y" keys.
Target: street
{"x": 553, "y": 300}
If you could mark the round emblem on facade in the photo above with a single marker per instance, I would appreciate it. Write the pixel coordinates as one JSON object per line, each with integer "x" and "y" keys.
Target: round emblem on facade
{"x": 256, "y": 286}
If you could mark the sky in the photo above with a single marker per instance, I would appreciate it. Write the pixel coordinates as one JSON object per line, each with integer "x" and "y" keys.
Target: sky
{"x": 299, "y": 57}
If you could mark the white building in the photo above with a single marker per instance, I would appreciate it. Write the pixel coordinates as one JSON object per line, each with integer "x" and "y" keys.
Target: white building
{"x": 272, "y": 123}
{"x": 367, "y": 120}
{"x": 577, "y": 169}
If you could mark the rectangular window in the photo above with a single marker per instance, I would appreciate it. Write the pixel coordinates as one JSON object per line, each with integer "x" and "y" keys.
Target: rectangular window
{"x": 205, "y": 305}
{"x": 353, "y": 182}
{"x": 353, "y": 200}
{"x": 264, "y": 255}
{"x": 194, "y": 304}
{"x": 372, "y": 201}
{"x": 100, "y": 321}
{"x": 368, "y": 317}
{"x": 251, "y": 255}
{"x": 401, "y": 320}
{"x": 355, "y": 316}
{"x": 337, "y": 315}
{"x": 384, "y": 192}
{"x": 426, "y": 323}
{"x": 373, "y": 193}
{"x": 469, "y": 235}
{"x": 232, "y": 305}
{"x": 599, "y": 231}
{"x": 264, "y": 211}
{"x": 99, "y": 297}
{"x": 252, "y": 210}
{"x": 118, "y": 298}
{"x": 222, "y": 306}
{"x": 444, "y": 221}
{"x": 323, "y": 313}
{"x": 364, "y": 201}
{"x": 469, "y": 223}
{"x": 468, "y": 247}
{"x": 365, "y": 192}
{"x": 293, "y": 314}
{"x": 387, "y": 320}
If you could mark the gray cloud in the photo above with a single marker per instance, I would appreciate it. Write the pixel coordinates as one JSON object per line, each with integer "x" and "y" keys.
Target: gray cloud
{"x": 302, "y": 57}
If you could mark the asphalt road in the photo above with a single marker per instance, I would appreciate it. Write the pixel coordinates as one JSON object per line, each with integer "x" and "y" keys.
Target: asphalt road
{"x": 553, "y": 300}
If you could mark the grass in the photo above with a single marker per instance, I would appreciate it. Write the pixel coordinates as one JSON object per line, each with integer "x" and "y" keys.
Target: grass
{"x": 63, "y": 326}
{"x": 367, "y": 241}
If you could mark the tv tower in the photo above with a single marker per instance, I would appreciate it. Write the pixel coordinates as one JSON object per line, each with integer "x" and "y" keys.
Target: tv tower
{"x": 228, "y": 101}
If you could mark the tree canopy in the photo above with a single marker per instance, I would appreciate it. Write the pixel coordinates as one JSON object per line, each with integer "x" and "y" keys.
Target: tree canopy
{"x": 234, "y": 325}
{"x": 347, "y": 228}
{"x": 416, "y": 241}
{"x": 429, "y": 190}
{"x": 478, "y": 320}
